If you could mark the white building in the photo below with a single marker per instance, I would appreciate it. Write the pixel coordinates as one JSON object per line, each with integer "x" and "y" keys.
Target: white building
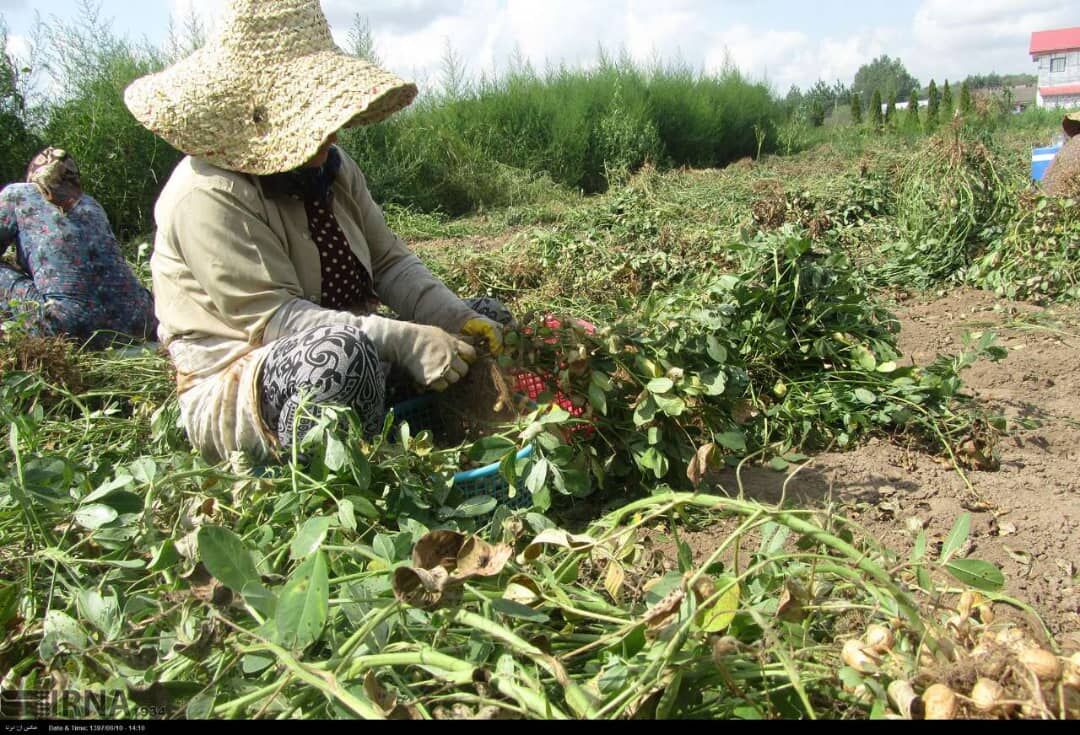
{"x": 1058, "y": 55}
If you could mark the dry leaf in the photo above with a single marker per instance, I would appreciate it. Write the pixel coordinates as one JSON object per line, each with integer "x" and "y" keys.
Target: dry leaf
{"x": 478, "y": 558}
{"x": 703, "y": 461}
{"x": 793, "y": 599}
{"x": 420, "y": 587}
{"x": 613, "y": 579}
{"x": 378, "y": 694}
{"x": 556, "y": 537}
{"x": 438, "y": 549}
{"x": 661, "y": 611}
{"x": 523, "y": 590}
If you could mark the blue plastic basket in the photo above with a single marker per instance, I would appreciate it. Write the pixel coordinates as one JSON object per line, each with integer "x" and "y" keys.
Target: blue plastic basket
{"x": 1041, "y": 158}
{"x": 421, "y": 414}
{"x": 487, "y": 481}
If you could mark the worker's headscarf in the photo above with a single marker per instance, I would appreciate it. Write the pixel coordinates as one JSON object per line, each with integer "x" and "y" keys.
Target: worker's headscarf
{"x": 56, "y": 174}
{"x": 1071, "y": 124}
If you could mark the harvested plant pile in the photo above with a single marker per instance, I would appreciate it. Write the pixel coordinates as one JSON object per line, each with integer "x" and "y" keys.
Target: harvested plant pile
{"x": 1037, "y": 257}
{"x": 947, "y": 195}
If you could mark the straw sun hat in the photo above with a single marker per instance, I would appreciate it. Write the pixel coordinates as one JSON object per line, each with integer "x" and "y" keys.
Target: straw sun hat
{"x": 267, "y": 91}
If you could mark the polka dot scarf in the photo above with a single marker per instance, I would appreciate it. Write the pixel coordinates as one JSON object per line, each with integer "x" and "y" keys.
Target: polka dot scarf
{"x": 346, "y": 283}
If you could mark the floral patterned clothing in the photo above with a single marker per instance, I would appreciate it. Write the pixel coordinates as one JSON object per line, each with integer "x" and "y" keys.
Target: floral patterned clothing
{"x": 72, "y": 278}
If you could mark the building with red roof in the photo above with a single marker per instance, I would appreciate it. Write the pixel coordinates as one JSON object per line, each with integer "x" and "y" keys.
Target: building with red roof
{"x": 1057, "y": 53}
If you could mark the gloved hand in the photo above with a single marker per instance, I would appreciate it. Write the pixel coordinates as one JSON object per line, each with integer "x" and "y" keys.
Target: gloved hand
{"x": 487, "y": 330}
{"x": 435, "y": 359}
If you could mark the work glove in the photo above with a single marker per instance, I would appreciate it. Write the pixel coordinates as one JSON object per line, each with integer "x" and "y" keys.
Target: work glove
{"x": 433, "y": 358}
{"x": 487, "y": 330}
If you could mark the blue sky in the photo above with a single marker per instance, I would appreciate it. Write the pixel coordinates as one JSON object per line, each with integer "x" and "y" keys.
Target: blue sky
{"x": 784, "y": 41}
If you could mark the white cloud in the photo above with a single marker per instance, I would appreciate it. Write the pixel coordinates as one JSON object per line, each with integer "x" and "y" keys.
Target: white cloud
{"x": 19, "y": 48}
{"x": 944, "y": 38}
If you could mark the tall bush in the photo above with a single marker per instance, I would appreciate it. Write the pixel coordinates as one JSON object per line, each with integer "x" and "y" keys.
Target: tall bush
{"x": 877, "y": 119}
{"x": 913, "y": 110}
{"x": 17, "y": 142}
{"x": 933, "y": 106}
{"x": 489, "y": 143}
{"x": 124, "y": 166}
{"x": 856, "y": 109}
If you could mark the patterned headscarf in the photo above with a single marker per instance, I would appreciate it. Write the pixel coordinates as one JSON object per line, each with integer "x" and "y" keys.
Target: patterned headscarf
{"x": 56, "y": 174}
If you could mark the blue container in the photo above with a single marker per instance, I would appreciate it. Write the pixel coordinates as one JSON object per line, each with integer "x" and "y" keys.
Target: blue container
{"x": 1041, "y": 158}
{"x": 421, "y": 414}
{"x": 488, "y": 481}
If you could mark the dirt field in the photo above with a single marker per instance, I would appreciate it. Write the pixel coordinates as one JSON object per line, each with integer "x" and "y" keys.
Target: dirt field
{"x": 1033, "y": 530}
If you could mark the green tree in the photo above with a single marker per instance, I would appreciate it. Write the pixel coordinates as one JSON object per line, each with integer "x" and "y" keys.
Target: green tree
{"x": 966, "y": 103}
{"x": 884, "y": 75}
{"x": 890, "y": 110}
{"x": 933, "y": 105}
{"x": 913, "y": 110}
{"x": 856, "y": 109}
{"x": 947, "y": 105}
{"x": 877, "y": 121}
{"x": 817, "y": 113}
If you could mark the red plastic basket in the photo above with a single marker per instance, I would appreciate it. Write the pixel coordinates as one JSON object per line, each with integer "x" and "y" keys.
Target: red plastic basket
{"x": 532, "y": 385}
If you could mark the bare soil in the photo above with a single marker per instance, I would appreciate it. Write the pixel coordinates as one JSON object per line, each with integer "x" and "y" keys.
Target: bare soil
{"x": 1033, "y": 529}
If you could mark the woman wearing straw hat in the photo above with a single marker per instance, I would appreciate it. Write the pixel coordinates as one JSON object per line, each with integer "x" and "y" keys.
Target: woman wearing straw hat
{"x": 1063, "y": 176}
{"x": 270, "y": 252}
{"x": 71, "y": 279}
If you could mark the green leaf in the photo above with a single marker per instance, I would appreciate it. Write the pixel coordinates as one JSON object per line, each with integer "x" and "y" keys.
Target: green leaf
{"x": 336, "y": 455}
{"x": 865, "y": 396}
{"x": 673, "y": 407}
{"x": 598, "y": 399}
{"x": 201, "y": 706}
{"x": 779, "y": 464}
{"x": 518, "y": 611}
{"x": 165, "y": 557}
{"x": 481, "y": 505}
{"x": 253, "y": 664}
{"x": 556, "y": 415}
{"x": 144, "y": 470}
{"x": 660, "y": 386}
{"x": 715, "y": 382}
{"x": 347, "y": 515}
{"x": 384, "y": 547}
{"x": 108, "y": 488}
{"x": 304, "y": 604}
{"x": 309, "y": 538}
{"x": 646, "y": 412}
{"x": 93, "y": 517}
{"x": 491, "y": 449}
{"x": 980, "y": 575}
{"x": 716, "y": 351}
{"x": 364, "y": 507}
{"x": 958, "y": 537}
{"x": 865, "y": 358}
{"x": 101, "y": 612}
{"x": 61, "y": 632}
{"x": 226, "y": 557}
{"x": 537, "y": 476}
{"x": 733, "y": 440}
{"x": 717, "y": 617}
{"x": 9, "y": 603}
{"x": 263, "y": 600}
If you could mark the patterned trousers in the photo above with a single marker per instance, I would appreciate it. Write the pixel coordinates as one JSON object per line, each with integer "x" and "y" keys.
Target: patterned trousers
{"x": 332, "y": 366}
